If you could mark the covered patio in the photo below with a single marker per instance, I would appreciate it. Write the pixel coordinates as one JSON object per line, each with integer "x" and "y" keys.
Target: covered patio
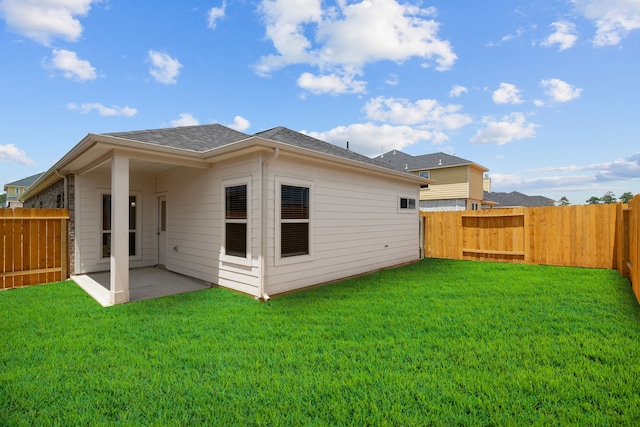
{"x": 144, "y": 283}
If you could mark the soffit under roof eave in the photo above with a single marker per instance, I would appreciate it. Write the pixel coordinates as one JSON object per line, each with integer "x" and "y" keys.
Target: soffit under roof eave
{"x": 50, "y": 176}
{"x": 72, "y": 161}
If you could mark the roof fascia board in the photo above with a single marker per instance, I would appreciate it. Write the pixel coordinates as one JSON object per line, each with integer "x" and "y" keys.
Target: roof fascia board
{"x": 477, "y": 166}
{"x": 49, "y": 177}
{"x": 306, "y": 153}
{"x": 196, "y": 159}
{"x": 91, "y": 140}
{"x": 144, "y": 147}
{"x": 179, "y": 158}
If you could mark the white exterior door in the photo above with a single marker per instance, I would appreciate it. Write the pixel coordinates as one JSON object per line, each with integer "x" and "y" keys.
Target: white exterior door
{"x": 162, "y": 230}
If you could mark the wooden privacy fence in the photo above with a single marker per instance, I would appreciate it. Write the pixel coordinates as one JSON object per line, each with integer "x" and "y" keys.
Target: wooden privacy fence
{"x": 33, "y": 246}
{"x": 629, "y": 247}
{"x": 596, "y": 236}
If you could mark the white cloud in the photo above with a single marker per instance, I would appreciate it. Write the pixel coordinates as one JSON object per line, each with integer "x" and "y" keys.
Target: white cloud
{"x": 507, "y": 94}
{"x": 72, "y": 67}
{"x": 564, "y": 36}
{"x": 11, "y": 153}
{"x": 614, "y": 19}
{"x": 240, "y": 124}
{"x": 544, "y": 184}
{"x": 428, "y": 113}
{"x": 102, "y": 110}
{"x": 215, "y": 14}
{"x": 619, "y": 169}
{"x": 457, "y": 91}
{"x": 164, "y": 69}
{"x": 333, "y": 84}
{"x": 371, "y": 139}
{"x": 46, "y": 19}
{"x": 519, "y": 32}
{"x": 340, "y": 40}
{"x": 392, "y": 80}
{"x": 560, "y": 91}
{"x": 510, "y": 128}
{"x": 185, "y": 119}
{"x": 579, "y": 182}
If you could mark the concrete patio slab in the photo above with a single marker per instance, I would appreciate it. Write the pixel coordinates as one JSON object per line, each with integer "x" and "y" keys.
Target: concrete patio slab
{"x": 144, "y": 283}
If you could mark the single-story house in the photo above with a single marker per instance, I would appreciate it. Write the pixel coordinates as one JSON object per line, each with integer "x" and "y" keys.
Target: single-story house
{"x": 262, "y": 214}
{"x": 516, "y": 199}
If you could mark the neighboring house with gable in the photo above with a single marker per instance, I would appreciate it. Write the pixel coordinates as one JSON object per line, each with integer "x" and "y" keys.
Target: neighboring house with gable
{"x": 261, "y": 214}
{"x": 15, "y": 189}
{"x": 458, "y": 183}
{"x": 516, "y": 200}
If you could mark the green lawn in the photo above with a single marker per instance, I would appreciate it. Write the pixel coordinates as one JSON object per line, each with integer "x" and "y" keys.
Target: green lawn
{"x": 438, "y": 342}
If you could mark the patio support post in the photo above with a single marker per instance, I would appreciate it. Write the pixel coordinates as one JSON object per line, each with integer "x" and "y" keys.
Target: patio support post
{"x": 119, "y": 278}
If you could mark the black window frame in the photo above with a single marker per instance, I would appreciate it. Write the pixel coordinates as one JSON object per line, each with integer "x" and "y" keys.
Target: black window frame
{"x": 295, "y": 220}
{"x": 236, "y": 220}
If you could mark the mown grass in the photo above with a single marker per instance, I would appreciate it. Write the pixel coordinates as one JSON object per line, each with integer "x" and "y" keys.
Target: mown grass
{"x": 435, "y": 343}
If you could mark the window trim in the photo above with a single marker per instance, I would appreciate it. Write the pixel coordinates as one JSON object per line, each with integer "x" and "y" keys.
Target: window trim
{"x": 408, "y": 209}
{"x": 428, "y": 176}
{"x": 138, "y": 229}
{"x": 294, "y": 182}
{"x": 232, "y": 259}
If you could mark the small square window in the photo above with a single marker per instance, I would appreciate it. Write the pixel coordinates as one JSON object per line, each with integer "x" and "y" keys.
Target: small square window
{"x": 407, "y": 203}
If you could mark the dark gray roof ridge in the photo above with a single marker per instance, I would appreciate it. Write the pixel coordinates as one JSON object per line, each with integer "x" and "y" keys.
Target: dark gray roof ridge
{"x": 298, "y": 139}
{"x": 199, "y": 138}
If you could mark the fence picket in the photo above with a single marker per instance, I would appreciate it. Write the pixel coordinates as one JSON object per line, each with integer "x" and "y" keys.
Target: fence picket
{"x": 32, "y": 242}
{"x": 596, "y": 236}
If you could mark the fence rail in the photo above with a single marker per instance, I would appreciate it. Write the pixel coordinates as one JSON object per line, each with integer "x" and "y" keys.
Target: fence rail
{"x": 33, "y": 246}
{"x": 596, "y": 236}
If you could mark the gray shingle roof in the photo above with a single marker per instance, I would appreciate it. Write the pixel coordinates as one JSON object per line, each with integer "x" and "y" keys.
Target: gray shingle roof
{"x": 398, "y": 160}
{"x": 517, "y": 199}
{"x": 297, "y": 139}
{"x": 192, "y": 138}
{"x": 206, "y": 137}
{"x": 26, "y": 182}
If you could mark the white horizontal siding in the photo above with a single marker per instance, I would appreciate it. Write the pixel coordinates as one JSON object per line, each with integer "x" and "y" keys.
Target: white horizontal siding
{"x": 195, "y": 219}
{"x": 356, "y": 224}
{"x": 89, "y": 187}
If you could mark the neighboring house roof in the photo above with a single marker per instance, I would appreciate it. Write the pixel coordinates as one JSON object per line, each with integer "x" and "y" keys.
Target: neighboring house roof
{"x": 398, "y": 160}
{"x": 24, "y": 182}
{"x": 200, "y": 146}
{"x": 516, "y": 199}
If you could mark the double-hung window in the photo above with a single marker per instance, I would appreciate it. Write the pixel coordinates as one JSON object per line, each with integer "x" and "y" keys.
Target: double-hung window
{"x": 106, "y": 225}
{"x": 235, "y": 221}
{"x": 295, "y": 221}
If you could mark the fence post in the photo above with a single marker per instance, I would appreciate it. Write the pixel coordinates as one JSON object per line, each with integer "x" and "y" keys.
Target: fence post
{"x": 64, "y": 249}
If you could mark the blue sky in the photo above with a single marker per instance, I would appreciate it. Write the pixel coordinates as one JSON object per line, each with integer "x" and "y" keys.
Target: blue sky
{"x": 542, "y": 93}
